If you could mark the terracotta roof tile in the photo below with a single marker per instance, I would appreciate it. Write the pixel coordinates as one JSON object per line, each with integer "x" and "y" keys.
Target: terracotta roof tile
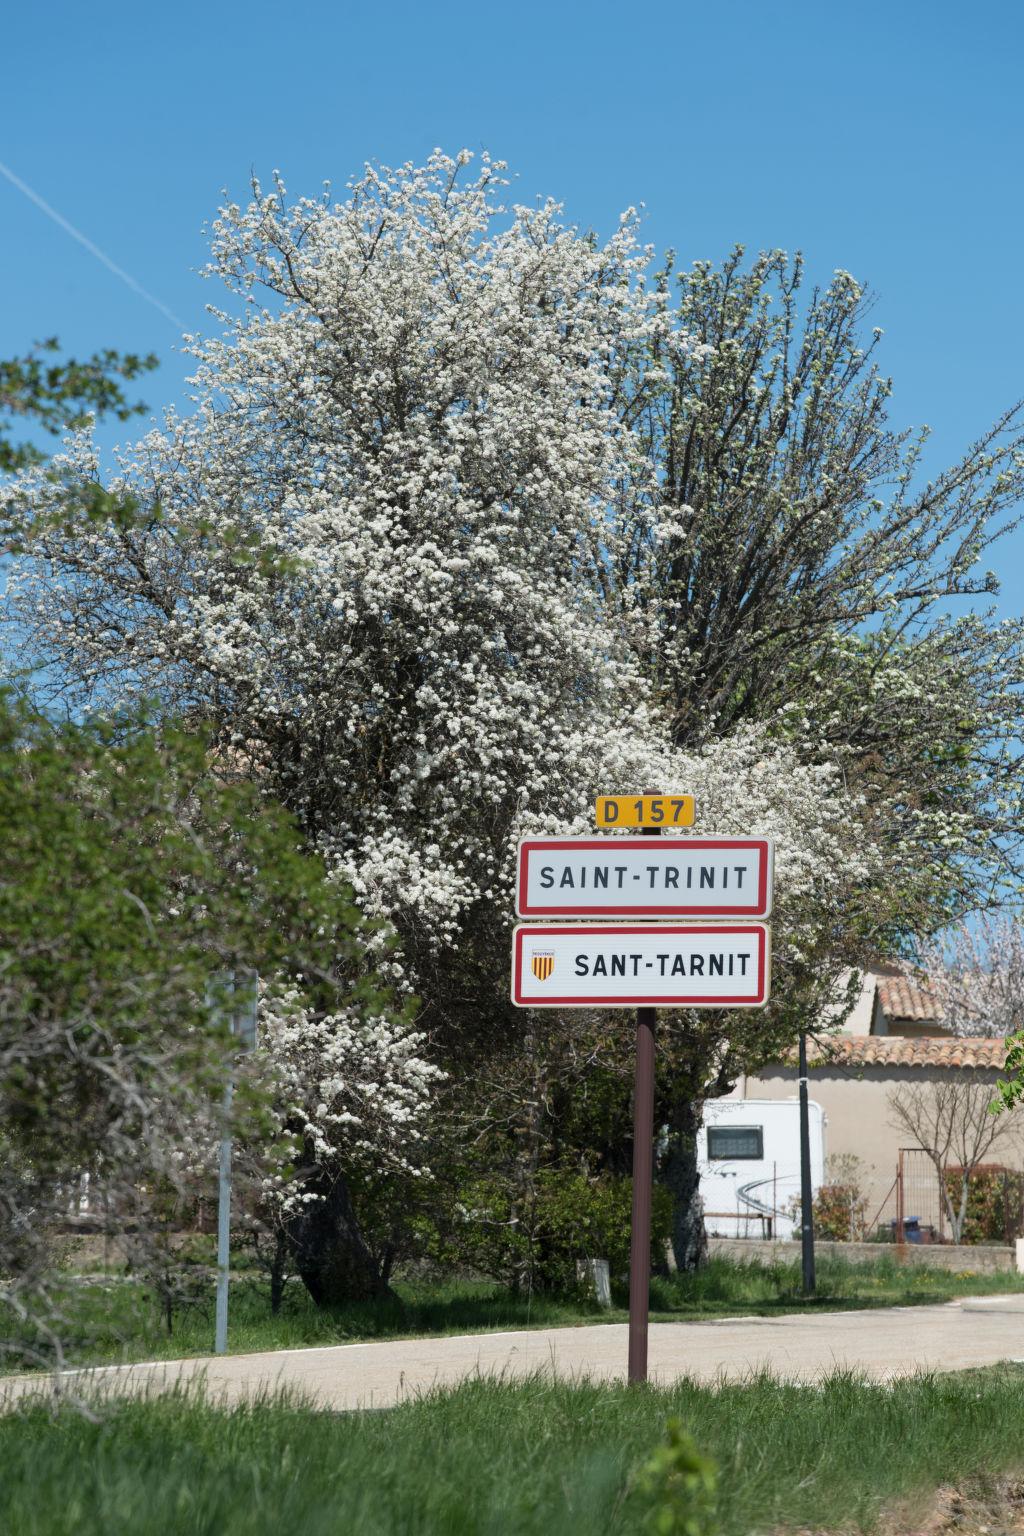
{"x": 911, "y": 1051}
{"x": 902, "y": 998}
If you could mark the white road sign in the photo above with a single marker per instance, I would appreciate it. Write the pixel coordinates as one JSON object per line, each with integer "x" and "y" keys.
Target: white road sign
{"x": 644, "y": 877}
{"x": 615, "y": 965}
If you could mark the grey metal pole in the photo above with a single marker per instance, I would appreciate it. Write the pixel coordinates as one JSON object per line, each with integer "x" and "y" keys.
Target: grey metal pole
{"x": 224, "y": 1222}
{"x": 806, "y": 1192}
{"x": 243, "y": 1027}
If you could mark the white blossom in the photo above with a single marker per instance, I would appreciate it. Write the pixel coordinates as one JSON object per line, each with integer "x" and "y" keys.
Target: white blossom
{"x": 360, "y": 558}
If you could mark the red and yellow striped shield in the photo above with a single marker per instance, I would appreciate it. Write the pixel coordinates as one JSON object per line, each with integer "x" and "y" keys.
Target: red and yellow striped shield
{"x": 542, "y": 963}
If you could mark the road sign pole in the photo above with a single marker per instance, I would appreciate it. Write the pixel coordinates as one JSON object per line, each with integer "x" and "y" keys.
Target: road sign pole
{"x": 806, "y": 1192}
{"x": 643, "y": 1179}
{"x": 643, "y": 1174}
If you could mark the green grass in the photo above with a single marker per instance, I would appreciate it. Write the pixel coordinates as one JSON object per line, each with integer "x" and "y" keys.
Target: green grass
{"x": 725, "y": 1287}
{"x": 494, "y": 1459}
{"x": 117, "y": 1321}
{"x": 114, "y": 1320}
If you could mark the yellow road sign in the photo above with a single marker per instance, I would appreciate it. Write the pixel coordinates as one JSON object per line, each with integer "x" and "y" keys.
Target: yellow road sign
{"x": 645, "y": 810}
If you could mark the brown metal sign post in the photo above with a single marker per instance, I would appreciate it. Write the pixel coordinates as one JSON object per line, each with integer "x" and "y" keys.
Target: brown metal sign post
{"x": 643, "y": 1175}
{"x": 643, "y": 1180}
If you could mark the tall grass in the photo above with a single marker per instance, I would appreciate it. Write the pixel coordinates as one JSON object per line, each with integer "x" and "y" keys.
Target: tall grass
{"x": 494, "y": 1459}
{"x": 726, "y": 1285}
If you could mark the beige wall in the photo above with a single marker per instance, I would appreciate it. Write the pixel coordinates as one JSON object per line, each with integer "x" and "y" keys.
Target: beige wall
{"x": 858, "y": 1021}
{"x": 982, "y": 1258}
{"x": 857, "y": 1120}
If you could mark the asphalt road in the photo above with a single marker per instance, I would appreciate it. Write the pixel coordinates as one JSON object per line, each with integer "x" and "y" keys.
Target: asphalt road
{"x": 880, "y": 1343}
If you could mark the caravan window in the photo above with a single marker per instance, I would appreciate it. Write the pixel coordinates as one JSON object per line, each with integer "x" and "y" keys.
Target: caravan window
{"x": 736, "y": 1141}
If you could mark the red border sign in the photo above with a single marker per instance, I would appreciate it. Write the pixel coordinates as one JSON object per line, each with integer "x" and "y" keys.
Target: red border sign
{"x": 536, "y": 933}
{"x": 757, "y": 907}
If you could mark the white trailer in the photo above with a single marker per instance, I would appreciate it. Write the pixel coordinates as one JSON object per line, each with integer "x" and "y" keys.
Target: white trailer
{"x": 748, "y": 1155}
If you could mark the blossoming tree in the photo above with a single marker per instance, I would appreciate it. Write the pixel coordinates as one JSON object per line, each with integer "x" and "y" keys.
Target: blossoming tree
{"x": 350, "y": 1093}
{"x": 975, "y": 972}
{"x": 393, "y": 560}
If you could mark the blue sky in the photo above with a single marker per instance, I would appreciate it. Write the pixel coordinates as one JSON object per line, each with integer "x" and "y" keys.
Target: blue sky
{"x": 883, "y": 138}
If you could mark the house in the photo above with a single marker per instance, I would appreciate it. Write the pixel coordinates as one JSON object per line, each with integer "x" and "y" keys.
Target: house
{"x": 894, "y": 1036}
{"x": 890, "y": 1002}
{"x": 851, "y": 1078}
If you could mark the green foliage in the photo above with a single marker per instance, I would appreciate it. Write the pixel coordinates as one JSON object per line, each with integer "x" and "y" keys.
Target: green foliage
{"x": 681, "y": 1485}
{"x": 995, "y": 1201}
{"x": 134, "y": 872}
{"x": 840, "y": 1212}
{"x": 581, "y": 1217}
{"x": 131, "y": 872}
{"x": 533, "y": 1240}
{"x": 840, "y": 1206}
{"x": 128, "y": 844}
{"x": 1011, "y": 1088}
{"x": 919, "y": 722}
{"x": 55, "y": 395}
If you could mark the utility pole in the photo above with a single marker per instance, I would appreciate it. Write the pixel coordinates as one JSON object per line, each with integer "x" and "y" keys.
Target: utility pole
{"x": 806, "y": 1192}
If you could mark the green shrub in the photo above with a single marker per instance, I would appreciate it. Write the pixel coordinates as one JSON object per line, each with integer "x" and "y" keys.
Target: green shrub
{"x": 840, "y": 1206}
{"x": 680, "y": 1484}
{"x": 592, "y": 1218}
{"x": 534, "y": 1242}
{"x": 840, "y": 1212}
{"x": 994, "y": 1203}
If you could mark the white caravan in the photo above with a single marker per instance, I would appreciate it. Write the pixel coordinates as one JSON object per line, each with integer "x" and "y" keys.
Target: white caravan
{"x": 748, "y": 1155}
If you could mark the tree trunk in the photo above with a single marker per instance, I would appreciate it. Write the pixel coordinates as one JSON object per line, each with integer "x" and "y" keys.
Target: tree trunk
{"x": 965, "y": 1193}
{"x": 680, "y": 1175}
{"x": 328, "y": 1249}
{"x": 947, "y": 1200}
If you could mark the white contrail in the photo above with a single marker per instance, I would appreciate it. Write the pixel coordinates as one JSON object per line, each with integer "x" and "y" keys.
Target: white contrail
{"x": 76, "y": 234}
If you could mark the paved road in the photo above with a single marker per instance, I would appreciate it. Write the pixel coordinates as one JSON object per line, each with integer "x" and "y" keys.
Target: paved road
{"x": 882, "y": 1343}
